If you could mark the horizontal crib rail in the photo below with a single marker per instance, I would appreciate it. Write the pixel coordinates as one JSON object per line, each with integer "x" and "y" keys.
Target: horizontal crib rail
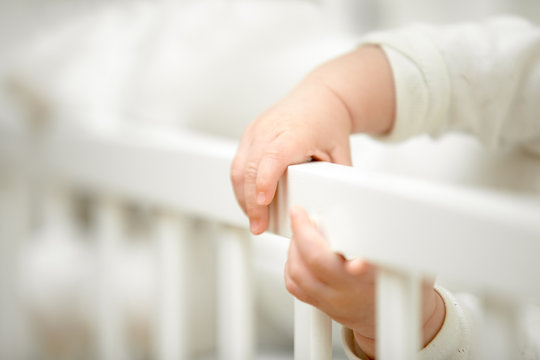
{"x": 482, "y": 236}
{"x": 185, "y": 171}
{"x": 487, "y": 238}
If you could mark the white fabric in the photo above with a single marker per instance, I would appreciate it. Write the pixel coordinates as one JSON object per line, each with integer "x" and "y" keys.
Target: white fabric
{"x": 452, "y": 341}
{"x": 119, "y": 64}
{"x": 459, "y": 334}
{"x": 482, "y": 79}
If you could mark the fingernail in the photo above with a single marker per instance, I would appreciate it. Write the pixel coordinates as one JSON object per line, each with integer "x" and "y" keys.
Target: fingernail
{"x": 293, "y": 211}
{"x": 261, "y": 198}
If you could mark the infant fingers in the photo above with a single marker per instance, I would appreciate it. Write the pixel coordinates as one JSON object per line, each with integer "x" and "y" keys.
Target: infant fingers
{"x": 272, "y": 165}
{"x": 258, "y": 215}
{"x": 244, "y": 170}
{"x": 300, "y": 282}
{"x": 262, "y": 171}
{"x": 237, "y": 179}
{"x": 314, "y": 250}
{"x": 238, "y": 167}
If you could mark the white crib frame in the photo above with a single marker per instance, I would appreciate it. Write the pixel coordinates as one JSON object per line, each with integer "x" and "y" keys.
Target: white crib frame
{"x": 188, "y": 173}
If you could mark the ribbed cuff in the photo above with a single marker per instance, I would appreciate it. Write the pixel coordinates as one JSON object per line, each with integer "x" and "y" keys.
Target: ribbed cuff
{"x": 421, "y": 82}
{"x": 452, "y": 342}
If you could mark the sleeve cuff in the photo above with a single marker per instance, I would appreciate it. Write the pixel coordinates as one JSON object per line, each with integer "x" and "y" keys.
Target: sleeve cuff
{"x": 421, "y": 82}
{"x": 452, "y": 342}
{"x": 352, "y": 350}
{"x": 454, "y": 337}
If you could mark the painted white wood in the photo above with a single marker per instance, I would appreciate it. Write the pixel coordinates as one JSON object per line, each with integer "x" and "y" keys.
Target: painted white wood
{"x": 398, "y": 315}
{"x": 173, "y": 254}
{"x": 236, "y": 318}
{"x": 14, "y": 231}
{"x": 182, "y": 171}
{"x": 391, "y": 220}
{"x": 424, "y": 226}
{"x": 312, "y": 333}
{"x": 302, "y": 330}
{"x": 321, "y": 335}
{"x": 312, "y": 328}
{"x": 21, "y": 168}
{"x": 420, "y": 211}
{"x": 110, "y": 337}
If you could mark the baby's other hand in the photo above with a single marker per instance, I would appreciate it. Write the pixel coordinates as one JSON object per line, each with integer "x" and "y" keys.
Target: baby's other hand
{"x": 343, "y": 289}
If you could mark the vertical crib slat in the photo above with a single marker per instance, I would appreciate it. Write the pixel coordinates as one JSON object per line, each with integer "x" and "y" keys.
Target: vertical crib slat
{"x": 321, "y": 335}
{"x": 6, "y": 274}
{"x": 398, "y": 315}
{"x": 173, "y": 272}
{"x": 110, "y": 341}
{"x": 312, "y": 333}
{"x": 14, "y": 230}
{"x": 236, "y": 320}
{"x": 312, "y": 328}
{"x": 302, "y": 330}
{"x": 56, "y": 210}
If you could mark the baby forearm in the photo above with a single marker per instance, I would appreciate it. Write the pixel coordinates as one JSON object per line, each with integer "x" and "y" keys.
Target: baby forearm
{"x": 362, "y": 80}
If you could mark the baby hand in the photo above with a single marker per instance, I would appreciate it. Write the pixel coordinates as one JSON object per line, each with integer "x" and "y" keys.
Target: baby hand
{"x": 352, "y": 93}
{"x": 344, "y": 289}
{"x": 311, "y": 123}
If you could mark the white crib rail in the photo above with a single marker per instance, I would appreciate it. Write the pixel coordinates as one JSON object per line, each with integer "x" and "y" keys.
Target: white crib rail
{"x": 362, "y": 213}
{"x": 185, "y": 171}
{"x": 408, "y": 227}
{"x": 411, "y": 227}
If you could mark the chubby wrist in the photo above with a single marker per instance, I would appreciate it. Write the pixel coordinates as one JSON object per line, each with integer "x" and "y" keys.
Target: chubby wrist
{"x": 363, "y": 82}
{"x": 366, "y": 344}
{"x": 431, "y": 324}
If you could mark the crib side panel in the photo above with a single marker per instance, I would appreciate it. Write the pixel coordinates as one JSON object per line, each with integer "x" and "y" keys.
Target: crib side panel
{"x": 484, "y": 238}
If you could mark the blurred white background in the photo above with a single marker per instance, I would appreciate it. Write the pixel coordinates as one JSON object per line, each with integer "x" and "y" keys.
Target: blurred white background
{"x": 210, "y": 65}
{"x": 104, "y": 66}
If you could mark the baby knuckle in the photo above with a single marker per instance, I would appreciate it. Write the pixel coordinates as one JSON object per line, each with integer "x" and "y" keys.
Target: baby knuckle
{"x": 250, "y": 172}
{"x": 315, "y": 260}
{"x": 273, "y": 154}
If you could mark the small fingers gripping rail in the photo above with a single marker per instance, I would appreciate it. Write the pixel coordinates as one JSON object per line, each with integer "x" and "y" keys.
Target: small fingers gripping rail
{"x": 412, "y": 228}
{"x": 408, "y": 227}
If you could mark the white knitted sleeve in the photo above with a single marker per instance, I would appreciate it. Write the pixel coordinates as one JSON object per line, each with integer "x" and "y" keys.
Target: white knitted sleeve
{"x": 479, "y": 78}
{"x": 453, "y": 341}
